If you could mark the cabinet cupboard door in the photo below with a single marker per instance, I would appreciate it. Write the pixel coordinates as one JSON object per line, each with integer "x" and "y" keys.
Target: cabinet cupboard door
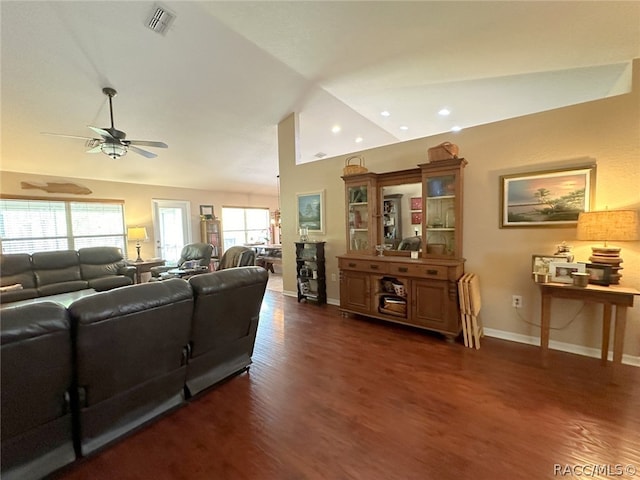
{"x": 355, "y": 291}
{"x": 431, "y": 304}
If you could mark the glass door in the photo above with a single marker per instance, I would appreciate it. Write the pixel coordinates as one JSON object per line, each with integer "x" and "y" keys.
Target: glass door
{"x": 171, "y": 228}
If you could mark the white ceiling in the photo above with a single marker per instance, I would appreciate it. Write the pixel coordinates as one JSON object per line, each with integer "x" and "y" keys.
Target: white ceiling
{"x": 217, "y": 84}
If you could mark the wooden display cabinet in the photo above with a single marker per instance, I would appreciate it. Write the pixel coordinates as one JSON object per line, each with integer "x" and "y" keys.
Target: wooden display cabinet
{"x": 210, "y": 232}
{"x": 422, "y": 291}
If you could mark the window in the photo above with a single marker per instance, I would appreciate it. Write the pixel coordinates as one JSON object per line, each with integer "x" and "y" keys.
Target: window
{"x": 244, "y": 225}
{"x": 28, "y": 226}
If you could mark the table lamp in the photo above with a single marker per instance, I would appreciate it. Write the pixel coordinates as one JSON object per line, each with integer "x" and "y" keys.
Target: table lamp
{"x": 137, "y": 234}
{"x": 608, "y": 225}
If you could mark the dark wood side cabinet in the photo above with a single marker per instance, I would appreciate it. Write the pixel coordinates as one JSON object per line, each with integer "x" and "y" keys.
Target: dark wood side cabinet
{"x": 310, "y": 272}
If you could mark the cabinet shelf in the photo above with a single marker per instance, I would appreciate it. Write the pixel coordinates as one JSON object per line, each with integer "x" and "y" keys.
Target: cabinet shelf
{"x": 441, "y": 197}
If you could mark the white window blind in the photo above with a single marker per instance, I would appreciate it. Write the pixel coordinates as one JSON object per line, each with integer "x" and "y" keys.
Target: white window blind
{"x": 28, "y": 226}
{"x": 244, "y": 225}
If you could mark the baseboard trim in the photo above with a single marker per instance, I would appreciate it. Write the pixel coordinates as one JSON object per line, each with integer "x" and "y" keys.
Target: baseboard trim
{"x": 294, "y": 294}
{"x": 561, "y": 346}
{"x": 529, "y": 340}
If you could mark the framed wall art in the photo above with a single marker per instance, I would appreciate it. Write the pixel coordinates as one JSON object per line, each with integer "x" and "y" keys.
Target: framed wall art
{"x": 416, "y": 203}
{"x": 552, "y": 198}
{"x": 311, "y": 211}
{"x": 206, "y": 211}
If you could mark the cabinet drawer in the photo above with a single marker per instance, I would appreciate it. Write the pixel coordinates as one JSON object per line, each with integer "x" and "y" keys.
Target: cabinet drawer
{"x": 362, "y": 265}
{"x": 422, "y": 271}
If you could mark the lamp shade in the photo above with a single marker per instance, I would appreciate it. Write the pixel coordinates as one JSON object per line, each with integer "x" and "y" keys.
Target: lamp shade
{"x": 137, "y": 234}
{"x": 608, "y": 225}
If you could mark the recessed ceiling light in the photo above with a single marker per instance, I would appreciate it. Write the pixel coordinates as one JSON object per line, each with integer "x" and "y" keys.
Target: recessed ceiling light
{"x": 456, "y": 128}
{"x": 404, "y": 127}
{"x": 359, "y": 139}
{"x": 384, "y": 113}
{"x": 336, "y": 128}
{"x": 444, "y": 112}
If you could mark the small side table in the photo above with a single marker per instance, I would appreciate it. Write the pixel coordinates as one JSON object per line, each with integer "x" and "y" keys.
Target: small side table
{"x": 616, "y": 297}
{"x": 145, "y": 266}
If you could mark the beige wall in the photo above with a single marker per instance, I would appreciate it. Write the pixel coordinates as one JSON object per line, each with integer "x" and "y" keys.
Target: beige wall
{"x": 138, "y": 199}
{"x": 606, "y": 132}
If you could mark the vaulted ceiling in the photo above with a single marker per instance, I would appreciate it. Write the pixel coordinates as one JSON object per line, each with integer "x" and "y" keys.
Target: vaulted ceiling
{"x": 215, "y": 85}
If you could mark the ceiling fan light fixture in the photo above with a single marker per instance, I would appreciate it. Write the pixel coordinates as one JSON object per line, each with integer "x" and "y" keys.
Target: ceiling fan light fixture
{"x": 114, "y": 150}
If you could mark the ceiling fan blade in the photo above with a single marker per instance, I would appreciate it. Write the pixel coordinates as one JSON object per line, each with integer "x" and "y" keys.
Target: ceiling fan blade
{"x": 66, "y": 136}
{"x": 147, "y": 143}
{"x": 97, "y": 149}
{"x": 142, "y": 152}
{"x": 102, "y": 131}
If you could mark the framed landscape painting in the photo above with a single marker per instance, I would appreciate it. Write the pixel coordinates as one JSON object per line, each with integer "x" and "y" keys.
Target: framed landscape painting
{"x": 552, "y": 198}
{"x": 311, "y": 211}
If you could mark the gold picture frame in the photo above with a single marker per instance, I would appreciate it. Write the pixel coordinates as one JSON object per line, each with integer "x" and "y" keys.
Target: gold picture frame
{"x": 550, "y": 198}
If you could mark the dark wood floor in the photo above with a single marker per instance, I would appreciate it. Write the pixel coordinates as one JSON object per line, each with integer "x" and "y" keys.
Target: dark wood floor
{"x": 347, "y": 398}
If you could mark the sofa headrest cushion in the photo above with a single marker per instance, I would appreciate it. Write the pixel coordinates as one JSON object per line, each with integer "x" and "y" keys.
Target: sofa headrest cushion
{"x": 211, "y": 283}
{"x": 33, "y": 320}
{"x": 100, "y": 255}
{"x": 129, "y": 300}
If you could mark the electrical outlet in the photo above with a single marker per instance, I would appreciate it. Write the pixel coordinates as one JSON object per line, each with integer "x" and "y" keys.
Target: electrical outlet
{"x": 333, "y": 277}
{"x": 516, "y": 301}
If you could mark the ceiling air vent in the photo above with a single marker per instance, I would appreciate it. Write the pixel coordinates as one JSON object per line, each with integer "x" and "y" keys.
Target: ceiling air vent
{"x": 160, "y": 19}
{"x": 320, "y": 155}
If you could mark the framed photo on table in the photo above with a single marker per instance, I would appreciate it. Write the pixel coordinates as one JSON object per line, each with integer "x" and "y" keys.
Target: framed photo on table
{"x": 561, "y": 271}
{"x": 540, "y": 263}
{"x": 551, "y": 198}
{"x": 599, "y": 273}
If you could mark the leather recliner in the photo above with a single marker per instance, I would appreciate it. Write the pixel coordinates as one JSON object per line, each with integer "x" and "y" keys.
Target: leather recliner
{"x": 131, "y": 349}
{"x": 194, "y": 251}
{"x": 224, "y": 325}
{"x": 237, "y": 256}
{"x": 36, "y": 419}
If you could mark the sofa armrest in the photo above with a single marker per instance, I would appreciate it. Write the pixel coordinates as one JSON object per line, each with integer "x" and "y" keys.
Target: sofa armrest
{"x": 128, "y": 271}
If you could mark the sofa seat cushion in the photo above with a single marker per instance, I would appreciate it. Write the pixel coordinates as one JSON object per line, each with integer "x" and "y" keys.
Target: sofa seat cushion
{"x": 62, "y": 287}
{"x": 15, "y": 295}
{"x": 108, "y": 282}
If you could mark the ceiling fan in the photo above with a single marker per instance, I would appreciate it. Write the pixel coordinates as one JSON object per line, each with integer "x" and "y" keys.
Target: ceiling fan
{"x": 112, "y": 141}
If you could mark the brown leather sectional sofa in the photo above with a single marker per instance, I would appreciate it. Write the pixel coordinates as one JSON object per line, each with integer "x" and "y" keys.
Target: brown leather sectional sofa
{"x": 76, "y": 379}
{"x": 49, "y": 273}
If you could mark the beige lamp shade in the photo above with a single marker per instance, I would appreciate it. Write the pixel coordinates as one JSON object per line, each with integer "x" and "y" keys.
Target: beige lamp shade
{"x": 608, "y": 225}
{"x": 136, "y": 234}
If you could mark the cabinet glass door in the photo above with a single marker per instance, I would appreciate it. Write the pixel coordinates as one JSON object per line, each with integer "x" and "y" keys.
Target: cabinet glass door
{"x": 358, "y": 197}
{"x": 441, "y": 210}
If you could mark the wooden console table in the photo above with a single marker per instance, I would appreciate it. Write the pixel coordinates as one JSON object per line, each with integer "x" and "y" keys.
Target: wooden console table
{"x": 144, "y": 266}
{"x": 616, "y": 297}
